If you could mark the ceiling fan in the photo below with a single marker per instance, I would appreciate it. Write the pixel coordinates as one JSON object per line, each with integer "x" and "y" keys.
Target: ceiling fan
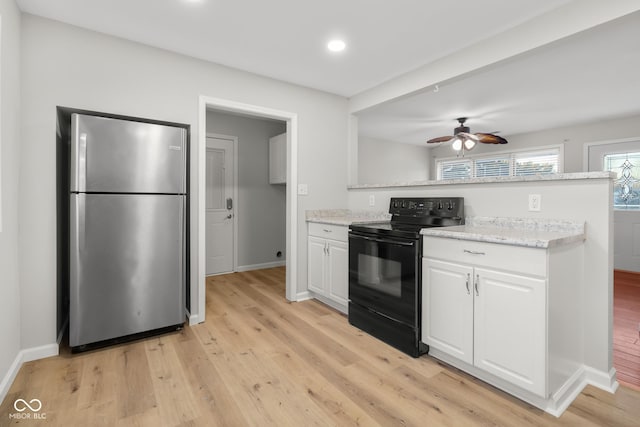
{"x": 463, "y": 140}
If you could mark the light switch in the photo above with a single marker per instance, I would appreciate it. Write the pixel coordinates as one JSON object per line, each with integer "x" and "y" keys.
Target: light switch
{"x": 372, "y": 200}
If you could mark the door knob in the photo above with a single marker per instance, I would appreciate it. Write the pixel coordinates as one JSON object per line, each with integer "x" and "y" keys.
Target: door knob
{"x": 229, "y": 216}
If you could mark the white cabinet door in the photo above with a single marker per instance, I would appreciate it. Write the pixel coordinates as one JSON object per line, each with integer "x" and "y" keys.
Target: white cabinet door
{"x": 316, "y": 254}
{"x": 278, "y": 159}
{"x": 510, "y": 328}
{"x": 447, "y": 308}
{"x": 338, "y": 272}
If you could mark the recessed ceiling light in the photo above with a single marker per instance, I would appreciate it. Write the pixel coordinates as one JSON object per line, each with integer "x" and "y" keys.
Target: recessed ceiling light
{"x": 336, "y": 45}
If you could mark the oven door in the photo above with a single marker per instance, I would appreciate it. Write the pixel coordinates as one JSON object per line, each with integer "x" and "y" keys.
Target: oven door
{"x": 383, "y": 275}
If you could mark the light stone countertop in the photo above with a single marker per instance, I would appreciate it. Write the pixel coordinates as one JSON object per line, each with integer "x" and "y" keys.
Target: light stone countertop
{"x": 345, "y": 217}
{"x": 528, "y": 232}
{"x": 488, "y": 180}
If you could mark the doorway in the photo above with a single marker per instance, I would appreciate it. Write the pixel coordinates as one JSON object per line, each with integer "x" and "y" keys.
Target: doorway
{"x": 623, "y": 157}
{"x": 198, "y": 297}
{"x": 221, "y": 211}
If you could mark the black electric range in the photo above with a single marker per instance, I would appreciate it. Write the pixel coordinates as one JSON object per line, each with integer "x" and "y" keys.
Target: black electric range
{"x": 385, "y": 259}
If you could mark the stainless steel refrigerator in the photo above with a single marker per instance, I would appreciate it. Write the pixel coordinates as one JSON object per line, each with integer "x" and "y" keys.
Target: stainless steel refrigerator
{"x": 127, "y": 228}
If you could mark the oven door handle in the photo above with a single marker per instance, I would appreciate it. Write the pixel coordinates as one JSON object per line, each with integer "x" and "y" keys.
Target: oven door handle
{"x": 390, "y": 242}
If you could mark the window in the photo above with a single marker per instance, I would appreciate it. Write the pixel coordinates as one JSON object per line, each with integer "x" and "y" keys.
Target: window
{"x": 626, "y": 190}
{"x": 540, "y": 162}
{"x": 492, "y": 166}
{"x": 454, "y": 169}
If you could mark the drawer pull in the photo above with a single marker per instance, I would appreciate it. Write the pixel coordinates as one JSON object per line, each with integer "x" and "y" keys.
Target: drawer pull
{"x": 467, "y": 251}
{"x": 326, "y": 230}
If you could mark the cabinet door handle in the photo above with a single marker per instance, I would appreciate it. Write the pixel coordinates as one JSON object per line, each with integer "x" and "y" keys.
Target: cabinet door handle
{"x": 467, "y": 251}
{"x": 475, "y": 285}
{"x": 467, "y": 284}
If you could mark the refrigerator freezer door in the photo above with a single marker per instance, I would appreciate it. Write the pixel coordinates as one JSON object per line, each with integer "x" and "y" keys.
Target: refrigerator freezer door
{"x": 127, "y": 265}
{"x": 121, "y": 156}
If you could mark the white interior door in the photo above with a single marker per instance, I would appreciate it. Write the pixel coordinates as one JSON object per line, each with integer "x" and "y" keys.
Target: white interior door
{"x": 626, "y": 222}
{"x": 220, "y": 216}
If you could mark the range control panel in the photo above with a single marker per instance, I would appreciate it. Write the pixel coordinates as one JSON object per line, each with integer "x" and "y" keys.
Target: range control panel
{"x": 443, "y": 207}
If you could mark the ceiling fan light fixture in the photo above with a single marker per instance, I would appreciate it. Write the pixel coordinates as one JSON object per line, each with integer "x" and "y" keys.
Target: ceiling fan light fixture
{"x": 457, "y": 143}
{"x": 469, "y": 143}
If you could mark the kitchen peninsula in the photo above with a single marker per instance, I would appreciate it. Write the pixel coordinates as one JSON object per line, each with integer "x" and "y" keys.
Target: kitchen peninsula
{"x": 581, "y": 198}
{"x": 501, "y": 301}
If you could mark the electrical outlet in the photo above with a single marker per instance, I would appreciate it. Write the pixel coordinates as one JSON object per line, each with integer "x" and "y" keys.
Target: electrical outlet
{"x": 372, "y": 200}
{"x": 535, "y": 202}
{"x": 303, "y": 189}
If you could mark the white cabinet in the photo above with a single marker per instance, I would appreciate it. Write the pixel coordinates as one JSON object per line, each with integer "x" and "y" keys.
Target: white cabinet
{"x": 338, "y": 271}
{"x": 492, "y": 320}
{"x": 328, "y": 264}
{"x": 509, "y": 315}
{"x": 447, "y": 308}
{"x": 509, "y": 328}
{"x": 278, "y": 159}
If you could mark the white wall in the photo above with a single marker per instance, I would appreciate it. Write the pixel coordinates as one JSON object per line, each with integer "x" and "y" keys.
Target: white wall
{"x": 577, "y": 200}
{"x": 9, "y": 156}
{"x": 260, "y": 206}
{"x": 68, "y": 66}
{"x": 389, "y": 161}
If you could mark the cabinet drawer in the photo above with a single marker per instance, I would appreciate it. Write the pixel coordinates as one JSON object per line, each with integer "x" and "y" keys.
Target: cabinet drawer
{"x": 329, "y": 231}
{"x": 519, "y": 259}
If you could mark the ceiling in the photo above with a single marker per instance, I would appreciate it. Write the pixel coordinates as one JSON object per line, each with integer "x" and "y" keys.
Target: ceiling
{"x": 590, "y": 76}
{"x": 286, "y": 39}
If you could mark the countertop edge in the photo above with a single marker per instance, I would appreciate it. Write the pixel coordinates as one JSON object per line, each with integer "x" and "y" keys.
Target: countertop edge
{"x": 491, "y": 180}
{"x": 497, "y": 239}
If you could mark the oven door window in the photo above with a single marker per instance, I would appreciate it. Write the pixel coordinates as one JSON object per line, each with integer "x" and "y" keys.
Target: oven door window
{"x": 383, "y": 276}
{"x": 379, "y": 274}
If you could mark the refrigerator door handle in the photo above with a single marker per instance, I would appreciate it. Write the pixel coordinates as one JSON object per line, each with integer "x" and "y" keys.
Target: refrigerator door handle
{"x": 76, "y": 249}
{"x": 80, "y": 218}
{"x": 78, "y": 156}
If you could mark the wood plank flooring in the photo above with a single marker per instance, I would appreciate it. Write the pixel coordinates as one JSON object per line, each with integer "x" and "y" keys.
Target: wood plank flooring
{"x": 626, "y": 318}
{"x": 259, "y": 360}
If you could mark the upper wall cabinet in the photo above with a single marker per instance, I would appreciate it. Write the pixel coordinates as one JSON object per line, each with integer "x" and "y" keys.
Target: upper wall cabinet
{"x": 278, "y": 159}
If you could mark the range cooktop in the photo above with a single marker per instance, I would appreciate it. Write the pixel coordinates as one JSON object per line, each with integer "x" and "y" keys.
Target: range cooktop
{"x": 412, "y": 214}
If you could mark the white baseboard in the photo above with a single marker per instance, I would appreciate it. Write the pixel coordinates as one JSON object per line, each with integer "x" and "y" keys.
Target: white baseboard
{"x": 194, "y": 319}
{"x": 564, "y": 397}
{"x": 5, "y": 385}
{"x": 23, "y": 356}
{"x": 603, "y": 380}
{"x": 41, "y": 352}
{"x": 242, "y": 268}
{"x": 303, "y": 296}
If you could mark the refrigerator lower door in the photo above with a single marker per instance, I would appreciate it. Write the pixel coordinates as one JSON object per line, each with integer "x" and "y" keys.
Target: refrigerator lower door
{"x": 127, "y": 265}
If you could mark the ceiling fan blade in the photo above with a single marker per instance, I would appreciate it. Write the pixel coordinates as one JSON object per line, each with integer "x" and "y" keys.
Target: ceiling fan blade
{"x": 489, "y": 138}
{"x": 439, "y": 139}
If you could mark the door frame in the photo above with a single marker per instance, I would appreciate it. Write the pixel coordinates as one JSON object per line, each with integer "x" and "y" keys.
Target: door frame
{"x": 587, "y": 145}
{"x": 198, "y": 294}
{"x": 234, "y": 140}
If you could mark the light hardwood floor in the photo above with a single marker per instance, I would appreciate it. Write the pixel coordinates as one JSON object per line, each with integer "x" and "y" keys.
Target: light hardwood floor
{"x": 261, "y": 361}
